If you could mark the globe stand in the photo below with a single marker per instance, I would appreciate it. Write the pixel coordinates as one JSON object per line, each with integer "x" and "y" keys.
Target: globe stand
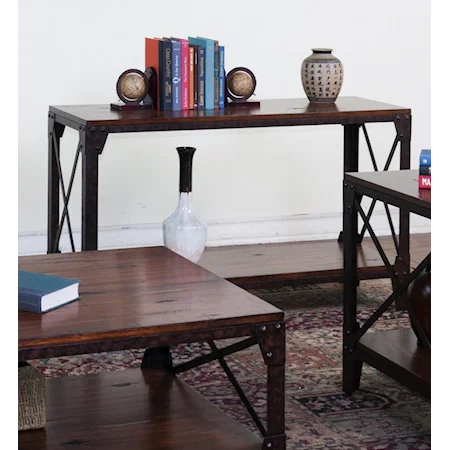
{"x": 149, "y": 102}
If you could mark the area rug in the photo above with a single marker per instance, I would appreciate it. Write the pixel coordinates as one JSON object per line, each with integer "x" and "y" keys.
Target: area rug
{"x": 382, "y": 415}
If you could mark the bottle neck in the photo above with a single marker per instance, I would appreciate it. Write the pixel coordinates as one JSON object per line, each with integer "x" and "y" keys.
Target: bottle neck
{"x": 186, "y": 155}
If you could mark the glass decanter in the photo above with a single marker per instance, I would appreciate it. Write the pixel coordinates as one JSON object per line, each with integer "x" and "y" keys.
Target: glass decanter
{"x": 184, "y": 232}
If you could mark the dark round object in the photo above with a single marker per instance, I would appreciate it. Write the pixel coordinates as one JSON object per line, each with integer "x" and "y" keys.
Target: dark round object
{"x": 241, "y": 83}
{"x": 419, "y": 299}
{"x": 132, "y": 86}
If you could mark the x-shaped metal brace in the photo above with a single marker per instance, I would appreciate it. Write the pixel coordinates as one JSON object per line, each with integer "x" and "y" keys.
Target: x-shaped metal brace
{"x": 268, "y": 337}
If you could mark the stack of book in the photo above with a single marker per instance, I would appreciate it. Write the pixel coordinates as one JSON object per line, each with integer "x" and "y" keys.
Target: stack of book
{"x": 190, "y": 72}
{"x": 425, "y": 169}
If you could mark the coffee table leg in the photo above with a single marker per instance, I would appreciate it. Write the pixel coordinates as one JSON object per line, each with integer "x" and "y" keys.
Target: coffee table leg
{"x": 272, "y": 342}
{"x": 157, "y": 358}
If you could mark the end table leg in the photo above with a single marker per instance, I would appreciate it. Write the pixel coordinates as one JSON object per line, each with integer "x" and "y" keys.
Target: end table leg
{"x": 351, "y": 153}
{"x": 351, "y": 365}
{"x": 403, "y": 260}
{"x": 55, "y": 132}
{"x": 92, "y": 140}
{"x": 272, "y": 342}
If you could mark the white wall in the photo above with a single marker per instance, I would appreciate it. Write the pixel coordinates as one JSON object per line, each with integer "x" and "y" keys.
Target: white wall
{"x": 73, "y": 52}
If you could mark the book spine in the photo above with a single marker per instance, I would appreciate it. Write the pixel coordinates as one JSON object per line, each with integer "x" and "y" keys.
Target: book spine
{"x": 425, "y": 170}
{"x": 195, "y": 77}
{"x": 161, "y": 72}
{"x": 424, "y": 182}
{"x": 209, "y": 75}
{"x": 167, "y": 75}
{"x": 216, "y": 75}
{"x": 29, "y": 301}
{"x": 425, "y": 158}
{"x": 201, "y": 78}
{"x": 176, "y": 76}
{"x": 184, "y": 75}
{"x": 152, "y": 60}
{"x": 221, "y": 77}
{"x": 191, "y": 77}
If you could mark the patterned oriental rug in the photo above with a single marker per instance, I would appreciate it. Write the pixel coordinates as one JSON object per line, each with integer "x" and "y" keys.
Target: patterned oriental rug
{"x": 382, "y": 415}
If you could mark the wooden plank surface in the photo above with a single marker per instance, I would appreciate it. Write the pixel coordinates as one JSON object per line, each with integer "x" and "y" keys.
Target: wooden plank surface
{"x": 301, "y": 108}
{"x": 311, "y": 261}
{"x": 136, "y": 292}
{"x": 395, "y": 352}
{"x": 133, "y": 410}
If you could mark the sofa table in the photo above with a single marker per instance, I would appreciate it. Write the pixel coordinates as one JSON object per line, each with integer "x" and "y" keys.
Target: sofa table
{"x": 148, "y": 297}
{"x": 395, "y": 352}
{"x": 95, "y": 122}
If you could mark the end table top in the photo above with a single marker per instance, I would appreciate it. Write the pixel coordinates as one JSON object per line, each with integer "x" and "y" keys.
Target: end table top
{"x": 277, "y": 112}
{"x": 398, "y": 185}
{"x": 133, "y": 293}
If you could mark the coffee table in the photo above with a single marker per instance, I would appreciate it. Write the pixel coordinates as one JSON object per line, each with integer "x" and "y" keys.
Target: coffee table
{"x": 146, "y": 298}
{"x": 394, "y": 352}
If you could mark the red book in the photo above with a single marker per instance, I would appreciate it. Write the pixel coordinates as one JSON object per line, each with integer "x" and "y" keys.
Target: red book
{"x": 152, "y": 59}
{"x": 191, "y": 77}
{"x": 184, "y": 73}
{"x": 424, "y": 181}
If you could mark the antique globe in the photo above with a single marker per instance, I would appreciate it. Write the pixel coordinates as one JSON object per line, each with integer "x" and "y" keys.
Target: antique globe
{"x": 241, "y": 83}
{"x": 132, "y": 86}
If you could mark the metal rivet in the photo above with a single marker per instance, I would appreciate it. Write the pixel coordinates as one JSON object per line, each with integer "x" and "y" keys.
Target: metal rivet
{"x": 92, "y": 128}
{"x": 351, "y": 187}
{"x": 399, "y": 258}
{"x": 80, "y": 127}
{"x": 345, "y": 185}
{"x": 269, "y": 354}
{"x": 349, "y": 207}
{"x": 396, "y": 274}
{"x": 349, "y": 332}
{"x": 103, "y": 128}
{"x": 97, "y": 147}
{"x": 263, "y": 328}
{"x": 405, "y": 273}
{"x": 278, "y": 325}
{"x": 81, "y": 146}
{"x": 398, "y": 117}
{"x": 345, "y": 347}
{"x": 402, "y": 135}
{"x": 50, "y": 133}
{"x": 269, "y": 445}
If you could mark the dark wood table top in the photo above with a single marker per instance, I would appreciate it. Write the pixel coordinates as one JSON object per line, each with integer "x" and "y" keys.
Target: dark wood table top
{"x": 400, "y": 185}
{"x": 136, "y": 292}
{"x": 269, "y": 113}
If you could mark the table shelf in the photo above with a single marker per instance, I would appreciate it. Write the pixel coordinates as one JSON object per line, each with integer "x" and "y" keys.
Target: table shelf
{"x": 396, "y": 353}
{"x": 133, "y": 409}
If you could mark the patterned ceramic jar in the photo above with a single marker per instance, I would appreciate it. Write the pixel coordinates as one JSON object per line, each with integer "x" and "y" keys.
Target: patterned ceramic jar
{"x": 322, "y": 76}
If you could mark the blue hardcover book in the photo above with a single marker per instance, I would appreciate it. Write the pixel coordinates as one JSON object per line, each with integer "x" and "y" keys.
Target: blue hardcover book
{"x": 176, "y": 76}
{"x": 201, "y": 78}
{"x": 208, "y": 45}
{"x": 425, "y": 158}
{"x": 40, "y": 293}
{"x": 221, "y": 76}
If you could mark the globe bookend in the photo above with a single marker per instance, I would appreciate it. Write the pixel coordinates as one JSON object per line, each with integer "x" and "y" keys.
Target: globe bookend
{"x": 184, "y": 232}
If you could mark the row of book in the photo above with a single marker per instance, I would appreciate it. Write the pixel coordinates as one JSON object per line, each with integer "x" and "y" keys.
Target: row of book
{"x": 425, "y": 169}
{"x": 190, "y": 72}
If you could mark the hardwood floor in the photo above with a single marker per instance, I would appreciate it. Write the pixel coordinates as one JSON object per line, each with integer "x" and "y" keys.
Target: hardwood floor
{"x": 308, "y": 262}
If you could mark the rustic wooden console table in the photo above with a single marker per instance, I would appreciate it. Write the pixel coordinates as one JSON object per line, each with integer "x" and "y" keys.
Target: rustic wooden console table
{"x": 95, "y": 122}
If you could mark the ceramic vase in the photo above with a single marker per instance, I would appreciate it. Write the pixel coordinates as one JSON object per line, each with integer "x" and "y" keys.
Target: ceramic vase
{"x": 184, "y": 232}
{"x": 419, "y": 301}
{"x": 322, "y": 76}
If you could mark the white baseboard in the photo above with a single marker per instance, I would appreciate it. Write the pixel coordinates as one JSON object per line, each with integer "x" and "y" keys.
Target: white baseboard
{"x": 304, "y": 227}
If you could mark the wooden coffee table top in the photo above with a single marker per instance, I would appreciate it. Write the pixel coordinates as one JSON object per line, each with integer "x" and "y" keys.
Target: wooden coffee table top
{"x": 130, "y": 293}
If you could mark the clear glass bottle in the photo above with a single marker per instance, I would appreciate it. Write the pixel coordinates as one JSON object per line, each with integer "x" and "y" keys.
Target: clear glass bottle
{"x": 184, "y": 232}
